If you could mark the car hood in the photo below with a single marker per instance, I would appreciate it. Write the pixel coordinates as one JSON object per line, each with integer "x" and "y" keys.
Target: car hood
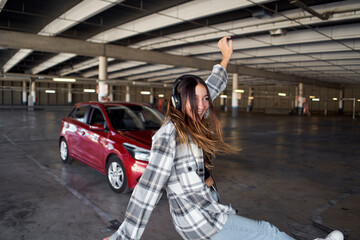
{"x": 143, "y": 137}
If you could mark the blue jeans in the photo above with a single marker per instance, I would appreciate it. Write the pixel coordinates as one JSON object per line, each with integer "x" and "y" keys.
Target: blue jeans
{"x": 240, "y": 228}
{"x": 215, "y": 195}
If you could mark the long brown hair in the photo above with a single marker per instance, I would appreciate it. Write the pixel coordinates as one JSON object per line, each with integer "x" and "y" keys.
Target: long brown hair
{"x": 206, "y": 133}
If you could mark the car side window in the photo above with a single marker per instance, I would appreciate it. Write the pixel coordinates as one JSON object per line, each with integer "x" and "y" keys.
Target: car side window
{"x": 97, "y": 117}
{"x": 80, "y": 113}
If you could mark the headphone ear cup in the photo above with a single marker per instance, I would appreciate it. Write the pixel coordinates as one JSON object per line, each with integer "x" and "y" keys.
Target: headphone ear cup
{"x": 176, "y": 102}
{"x": 173, "y": 101}
{"x": 175, "y": 98}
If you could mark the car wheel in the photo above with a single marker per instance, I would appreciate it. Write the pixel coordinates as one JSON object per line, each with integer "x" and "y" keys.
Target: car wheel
{"x": 116, "y": 175}
{"x": 64, "y": 151}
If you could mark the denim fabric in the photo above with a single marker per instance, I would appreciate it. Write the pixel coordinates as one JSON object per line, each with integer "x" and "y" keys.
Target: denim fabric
{"x": 215, "y": 195}
{"x": 238, "y": 227}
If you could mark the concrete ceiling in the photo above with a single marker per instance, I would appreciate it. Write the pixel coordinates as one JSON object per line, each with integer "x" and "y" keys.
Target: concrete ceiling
{"x": 153, "y": 41}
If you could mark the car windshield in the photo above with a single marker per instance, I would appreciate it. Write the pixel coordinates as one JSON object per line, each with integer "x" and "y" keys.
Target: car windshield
{"x": 134, "y": 118}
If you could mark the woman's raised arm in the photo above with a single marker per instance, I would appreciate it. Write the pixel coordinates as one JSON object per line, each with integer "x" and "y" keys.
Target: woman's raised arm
{"x": 226, "y": 47}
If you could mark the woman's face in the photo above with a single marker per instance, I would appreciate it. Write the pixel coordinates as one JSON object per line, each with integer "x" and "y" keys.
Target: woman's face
{"x": 202, "y": 102}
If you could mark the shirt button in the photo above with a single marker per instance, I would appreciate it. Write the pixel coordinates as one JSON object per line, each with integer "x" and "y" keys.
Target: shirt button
{"x": 189, "y": 168}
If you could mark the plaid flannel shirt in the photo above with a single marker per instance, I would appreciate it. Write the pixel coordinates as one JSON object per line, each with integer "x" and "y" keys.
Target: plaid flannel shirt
{"x": 180, "y": 171}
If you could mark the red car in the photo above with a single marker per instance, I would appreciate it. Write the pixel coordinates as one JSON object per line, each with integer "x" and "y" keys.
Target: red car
{"x": 113, "y": 138}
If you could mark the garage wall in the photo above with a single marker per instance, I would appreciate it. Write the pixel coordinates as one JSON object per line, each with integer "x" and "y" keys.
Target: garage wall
{"x": 10, "y": 93}
{"x": 265, "y": 97}
{"x": 352, "y": 92}
{"x": 119, "y": 93}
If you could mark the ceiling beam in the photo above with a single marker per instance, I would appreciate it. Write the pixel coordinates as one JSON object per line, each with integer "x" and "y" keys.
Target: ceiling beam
{"x": 17, "y": 40}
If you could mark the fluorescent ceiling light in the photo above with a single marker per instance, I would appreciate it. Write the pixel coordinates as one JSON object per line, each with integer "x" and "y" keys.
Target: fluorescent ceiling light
{"x": 89, "y": 90}
{"x": 161, "y": 95}
{"x": 315, "y": 99}
{"x": 50, "y": 91}
{"x": 223, "y": 96}
{"x": 282, "y": 94}
{"x": 311, "y": 96}
{"x": 251, "y": 98}
{"x": 335, "y": 99}
{"x": 145, "y": 92}
{"x": 239, "y": 91}
{"x": 64, "y": 79}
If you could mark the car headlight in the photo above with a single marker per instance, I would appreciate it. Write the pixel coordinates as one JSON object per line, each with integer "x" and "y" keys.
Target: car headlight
{"x": 137, "y": 153}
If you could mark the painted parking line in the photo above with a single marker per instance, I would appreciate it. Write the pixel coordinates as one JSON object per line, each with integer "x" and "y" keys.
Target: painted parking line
{"x": 9, "y": 140}
{"x": 317, "y": 213}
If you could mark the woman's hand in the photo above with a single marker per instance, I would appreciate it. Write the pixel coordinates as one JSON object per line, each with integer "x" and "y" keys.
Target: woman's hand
{"x": 226, "y": 47}
{"x": 209, "y": 181}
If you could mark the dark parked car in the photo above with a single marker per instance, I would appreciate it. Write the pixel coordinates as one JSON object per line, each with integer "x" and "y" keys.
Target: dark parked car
{"x": 113, "y": 138}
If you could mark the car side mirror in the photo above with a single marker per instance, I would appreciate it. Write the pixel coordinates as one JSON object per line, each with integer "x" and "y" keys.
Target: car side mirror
{"x": 97, "y": 127}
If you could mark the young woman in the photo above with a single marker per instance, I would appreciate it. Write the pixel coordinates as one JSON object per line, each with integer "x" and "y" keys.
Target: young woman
{"x": 180, "y": 161}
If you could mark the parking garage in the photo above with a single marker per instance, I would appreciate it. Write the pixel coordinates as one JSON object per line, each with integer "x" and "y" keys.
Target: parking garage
{"x": 291, "y": 105}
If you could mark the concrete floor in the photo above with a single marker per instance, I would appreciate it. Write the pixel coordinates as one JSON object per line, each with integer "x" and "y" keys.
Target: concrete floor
{"x": 292, "y": 171}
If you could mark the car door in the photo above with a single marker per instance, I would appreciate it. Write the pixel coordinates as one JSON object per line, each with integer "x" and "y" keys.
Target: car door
{"x": 76, "y": 129}
{"x": 95, "y": 138}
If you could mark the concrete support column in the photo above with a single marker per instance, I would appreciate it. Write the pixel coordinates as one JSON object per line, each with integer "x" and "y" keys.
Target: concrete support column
{"x": 102, "y": 86}
{"x": 69, "y": 93}
{"x": 152, "y": 96}
{"x": 234, "y": 100}
{"x": 300, "y": 99}
{"x": 127, "y": 94}
{"x": 24, "y": 93}
{"x": 341, "y": 102}
{"x": 32, "y": 95}
{"x": 250, "y": 99}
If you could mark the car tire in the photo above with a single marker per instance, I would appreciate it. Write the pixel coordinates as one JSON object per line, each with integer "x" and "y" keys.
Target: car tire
{"x": 64, "y": 151}
{"x": 116, "y": 175}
